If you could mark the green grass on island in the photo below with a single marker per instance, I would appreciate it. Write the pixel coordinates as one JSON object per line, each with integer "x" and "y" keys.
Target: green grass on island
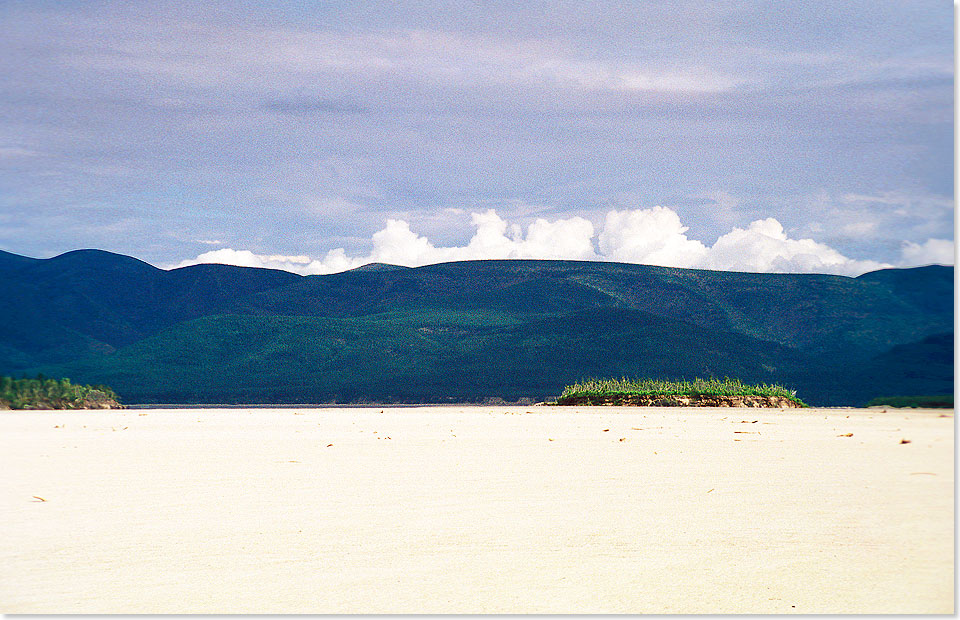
{"x": 617, "y": 388}
{"x": 44, "y": 393}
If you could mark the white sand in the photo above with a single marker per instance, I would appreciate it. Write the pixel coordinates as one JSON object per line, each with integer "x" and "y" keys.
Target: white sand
{"x": 476, "y": 510}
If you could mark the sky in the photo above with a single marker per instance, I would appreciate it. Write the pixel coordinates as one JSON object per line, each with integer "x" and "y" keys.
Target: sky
{"x": 813, "y": 136}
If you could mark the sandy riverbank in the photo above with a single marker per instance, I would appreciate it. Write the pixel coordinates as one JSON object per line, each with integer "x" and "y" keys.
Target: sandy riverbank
{"x": 486, "y": 509}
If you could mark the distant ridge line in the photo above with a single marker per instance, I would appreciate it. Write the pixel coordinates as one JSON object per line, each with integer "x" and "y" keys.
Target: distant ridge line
{"x": 8, "y": 259}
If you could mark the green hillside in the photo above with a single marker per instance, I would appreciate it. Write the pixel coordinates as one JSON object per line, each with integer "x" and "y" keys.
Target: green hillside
{"x": 467, "y": 331}
{"x": 440, "y": 356}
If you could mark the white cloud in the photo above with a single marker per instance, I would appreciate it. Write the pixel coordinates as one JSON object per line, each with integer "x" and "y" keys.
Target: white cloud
{"x": 570, "y": 239}
{"x": 653, "y": 236}
{"x": 335, "y": 260}
{"x": 931, "y": 252}
{"x": 764, "y": 247}
{"x": 494, "y": 239}
{"x": 226, "y": 256}
{"x": 650, "y": 236}
{"x": 398, "y": 245}
{"x": 657, "y": 237}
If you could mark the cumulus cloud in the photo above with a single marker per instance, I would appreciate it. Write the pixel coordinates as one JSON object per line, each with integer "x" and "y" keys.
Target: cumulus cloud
{"x": 650, "y": 236}
{"x": 493, "y": 238}
{"x": 931, "y": 252}
{"x": 397, "y": 244}
{"x": 335, "y": 261}
{"x": 653, "y": 236}
{"x": 764, "y": 247}
{"x": 657, "y": 237}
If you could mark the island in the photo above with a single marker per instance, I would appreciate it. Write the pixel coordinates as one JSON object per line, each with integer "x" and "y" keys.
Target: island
{"x": 44, "y": 393}
{"x": 697, "y": 393}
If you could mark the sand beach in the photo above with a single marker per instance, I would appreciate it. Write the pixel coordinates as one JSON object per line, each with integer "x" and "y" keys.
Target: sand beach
{"x": 477, "y": 510}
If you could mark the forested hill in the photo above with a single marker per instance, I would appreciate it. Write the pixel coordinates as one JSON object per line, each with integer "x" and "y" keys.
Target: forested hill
{"x": 467, "y": 331}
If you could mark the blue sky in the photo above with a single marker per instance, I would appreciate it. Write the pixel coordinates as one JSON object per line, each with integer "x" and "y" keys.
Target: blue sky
{"x": 813, "y": 136}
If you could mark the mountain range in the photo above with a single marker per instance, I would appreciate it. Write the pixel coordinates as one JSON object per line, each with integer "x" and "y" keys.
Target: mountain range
{"x": 467, "y": 331}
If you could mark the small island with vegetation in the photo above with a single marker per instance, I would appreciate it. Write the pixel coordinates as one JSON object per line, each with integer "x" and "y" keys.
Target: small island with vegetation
{"x": 697, "y": 393}
{"x": 44, "y": 393}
